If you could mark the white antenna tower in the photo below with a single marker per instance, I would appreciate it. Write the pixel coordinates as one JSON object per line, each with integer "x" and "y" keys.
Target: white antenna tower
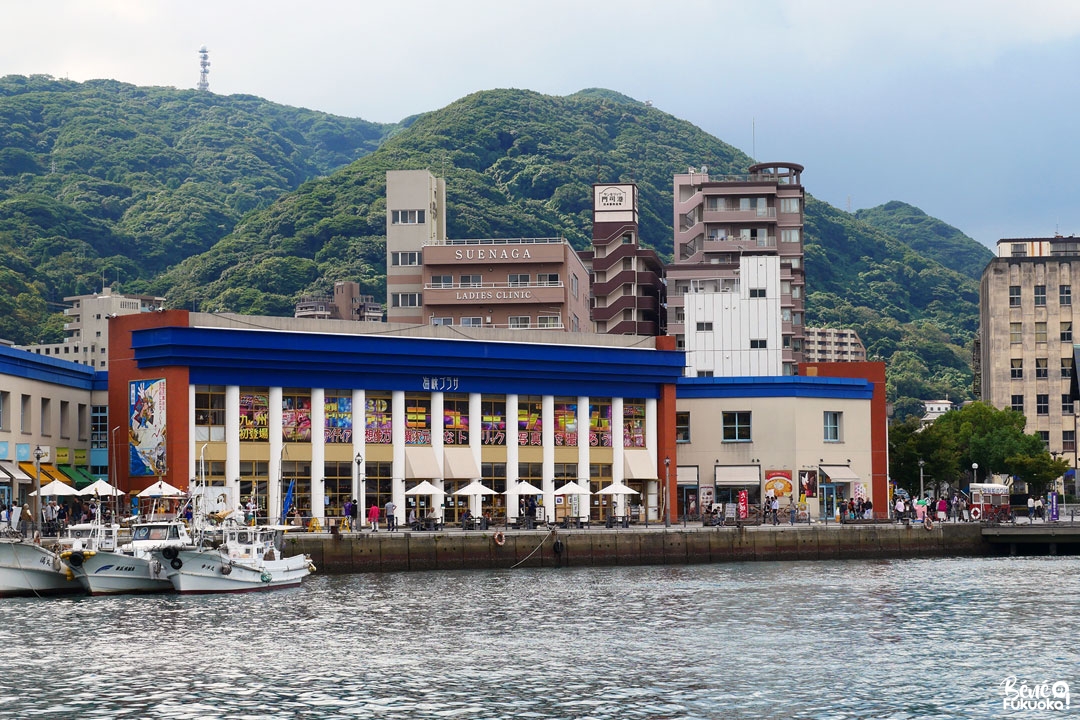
{"x": 204, "y": 69}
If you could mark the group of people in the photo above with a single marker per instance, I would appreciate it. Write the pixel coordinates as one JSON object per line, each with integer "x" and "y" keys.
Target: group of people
{"x": 55, "y": 516}
{"x": 954, "y": 508}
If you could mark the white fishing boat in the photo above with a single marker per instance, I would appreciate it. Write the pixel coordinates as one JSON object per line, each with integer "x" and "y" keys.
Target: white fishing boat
{"x": 104, "y": 568}
{"x": 27, "y": 568}
{"x": 248, "y": 559}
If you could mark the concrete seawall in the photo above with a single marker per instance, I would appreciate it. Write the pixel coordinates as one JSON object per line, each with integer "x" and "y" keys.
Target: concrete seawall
{"x": 454, "y": 549}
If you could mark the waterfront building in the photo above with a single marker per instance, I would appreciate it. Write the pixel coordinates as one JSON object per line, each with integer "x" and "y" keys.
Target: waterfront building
{"x": 721, "y": 220}
{"x": 58, "y": 406}
{"x": 347, "y": 303}
{"x": 825, "y": 344}
{"x": 1026, "y": 356}
{"x": 86, "y": 331}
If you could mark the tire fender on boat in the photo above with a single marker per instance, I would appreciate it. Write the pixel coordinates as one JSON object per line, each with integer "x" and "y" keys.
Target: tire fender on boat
{"x": 226, "y": 568}
{"x": 170, "y": 553}
{"x": 266, "y": 577}
{"x": 176, "y": 563}
{"x": 75, "y": 559}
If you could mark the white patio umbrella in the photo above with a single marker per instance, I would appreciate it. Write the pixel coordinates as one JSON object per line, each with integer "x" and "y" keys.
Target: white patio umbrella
{"x": 424, "y": 488}
{"x": 101, "y": 489}
{"x": 524, "y": 488}
{"x": 572, "y": 488}
{"x": 162, "y": 489}
{"x": 476, "y": 488}
{"x": 55, "y": 488}
{"x": 617, "y": 488}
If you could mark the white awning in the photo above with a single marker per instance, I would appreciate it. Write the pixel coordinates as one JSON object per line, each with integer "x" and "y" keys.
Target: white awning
{"x": 840, "y": 473}
{"x": 12, "y": 470}
{"x": 687, "y": 475}
{"x": 738, "y": 475}
{"x": 459, "y": 464}
{"x": 420, "y": 462}
{"x": 637, "y": 465}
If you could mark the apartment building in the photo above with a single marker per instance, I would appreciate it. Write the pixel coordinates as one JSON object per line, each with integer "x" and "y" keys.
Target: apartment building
{"x": 822, "y": 344}
{"x": 347, "y": 303}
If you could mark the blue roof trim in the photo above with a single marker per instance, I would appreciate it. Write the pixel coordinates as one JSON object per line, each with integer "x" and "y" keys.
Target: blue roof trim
{"x": 31, "y": 366}
{"x": 384, "y": 362}
{"x": 786, "y": 386}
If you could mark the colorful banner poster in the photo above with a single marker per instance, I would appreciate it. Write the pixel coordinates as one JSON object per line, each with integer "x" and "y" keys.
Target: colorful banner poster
{"x": 254, "y": 417}
{"x": 744, "y": 505}
{"x": 493, "y": 426}
{"x": 339, "y": 419}
{"x": 378, "y": 421}
{"x": 146, "y": 431}
{"x": 1054, "y": 506}
{"x": 778, "y": 483}
{"x": 296, "y": 419}
{"x": 807, "y": 484}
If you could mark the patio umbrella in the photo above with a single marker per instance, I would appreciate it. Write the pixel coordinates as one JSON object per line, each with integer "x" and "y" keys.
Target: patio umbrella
{"x": 424, "y": 488}
{"x": 524, "y": 488}
{"x": 162, "y": 489}
{"x": 101, "y": 489}
{"x": 617, "y": 488}
{"x": 572, "y": 488}
{"x": 476, "y": 488}
{"x": 56, "y": 488}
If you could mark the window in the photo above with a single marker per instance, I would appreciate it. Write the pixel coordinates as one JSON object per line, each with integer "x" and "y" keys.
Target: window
{"x": 1066, "y": 367}
{"x": 519, "y": 322}
{"x": 574, "y": 285}
{"x": 1066, "y": 404}
{"x": 789, "y": 205}
{"x": 757, "y": 292}
{"x": 5, "y": 402}
{"x": 442, "y": 281}
{"x": 1018, "y": 250}
{"x": 1068, "y": 440}
{"x": 704, "y": 373}
{"x": 471, "y": 322}
{"x": 401, "y": 300}
{"x": 471, "y": 280}
{"x": 1016, "y": 334}
{"x": 1042, "y": 404}
{"x": 791, "y": 235}
{"x": 401, "y": 259}
{"x": 682, "y": 427}
{"x": 520, "y": 280}
{"x": 1044, "y": 435}
{"x": 1041, "y": 369}
{"x": 210, "y": 417}
{"x": 1014, "y": 296}
{"x": 442, "y": 321}
{"x": 1040, "y": 295}
{"x": 1017, "y": 370}
{"x": 704, "y": 327}
{"x": 99, "y": 426}
{"x": 549, "y": 321}
{"x": 796, "y": 318}
{"x": 832, "y": 426}
{"x": 65, "y": 419}
{"x": 1040, "y": 332}
{"x": 1017, "y": 403}
{"x": 551, "y": 279}
{"x": 736, "y": 426}
{"x": 758, "y": 344}
{"x": 407, "y": 217}
{"x": 1065, "y": 295}
{"x": 1066, "y": 331}
{"x": 575, "y": 324}
{"x": 46, "y": 416}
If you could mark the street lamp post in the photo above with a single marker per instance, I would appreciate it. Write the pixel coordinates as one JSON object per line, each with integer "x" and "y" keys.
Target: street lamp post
{"x": 667, "y": 484}
{"x": 922, "y": 490}
{"x": 38, "y": 454}
{"x": 358, "y": 491}
{"x": 974, "y": 472}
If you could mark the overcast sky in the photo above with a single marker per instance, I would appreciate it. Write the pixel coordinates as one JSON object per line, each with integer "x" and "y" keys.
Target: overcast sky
{"x": 966, "y": 109}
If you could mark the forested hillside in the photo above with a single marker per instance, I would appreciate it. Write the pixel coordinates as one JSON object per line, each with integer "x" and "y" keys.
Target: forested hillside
{"x": 158, "y": 193}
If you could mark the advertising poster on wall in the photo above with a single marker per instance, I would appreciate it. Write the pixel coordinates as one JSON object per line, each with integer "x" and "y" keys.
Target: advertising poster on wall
{"x": 807, "y": 484}
{"x": 296, "y": 419}
{"x": 338, "y": 419}
{"x": 254, "y": 417}
{"x": 778, "y": 483}
{"x": 744, "y": 505}
{"x": 146, "y": 430}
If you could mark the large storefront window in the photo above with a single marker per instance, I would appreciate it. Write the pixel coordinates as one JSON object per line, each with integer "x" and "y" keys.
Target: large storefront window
{"x": 338, "y": 416}
{"x": 338, "y": 487}
{"x": 298, "y": 475}
{"x": 634, "y": 423}
{"x": 493, "y": 420}
{"x": 566, "y": 427}
{"x": 532, "y": 473}
{"x": 494, "y": 476}
{"x": 255, "y": 486}
{"x": 379, "y": 487}
{"x": 213, "y": 471}
{"x": 599, "y": 476}
{"x": 254, "y": 415}
{"x": 296, "y": 416}
{"x": 417, "y": 419}
{"x": 378, "y": 419}
{"x": 210, "y": 413}
{"x": 530, "y": 424}
{"x": 600, "y": 422}
{"x": 455, "y": 419}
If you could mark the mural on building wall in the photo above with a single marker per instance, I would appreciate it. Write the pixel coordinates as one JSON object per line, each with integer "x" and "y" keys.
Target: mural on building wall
{"x": 778, "y": 483}
{"x": 254, "y": 417}
{"x": 339, "y": 419}
{"x": 295, "y": 418}
{"x": 378, "y": 421}
{"x": 146, "y": 430}
{"x": 807, "y": 484}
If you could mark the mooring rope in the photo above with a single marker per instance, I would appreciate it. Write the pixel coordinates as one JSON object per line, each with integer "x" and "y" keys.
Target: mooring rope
{"x": 543, "y": 540}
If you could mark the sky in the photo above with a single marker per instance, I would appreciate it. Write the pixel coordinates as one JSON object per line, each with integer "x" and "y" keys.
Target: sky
{"x": 963, "y": 108}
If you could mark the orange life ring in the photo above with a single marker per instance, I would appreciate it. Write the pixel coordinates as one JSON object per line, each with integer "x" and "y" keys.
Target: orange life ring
{"x": 499, "y": 538}
{"x": 976, "y": 513}
{"x": 928, "y": 523}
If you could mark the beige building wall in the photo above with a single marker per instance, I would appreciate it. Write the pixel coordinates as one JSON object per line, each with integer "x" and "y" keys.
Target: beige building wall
{"x": 415, "y": 217}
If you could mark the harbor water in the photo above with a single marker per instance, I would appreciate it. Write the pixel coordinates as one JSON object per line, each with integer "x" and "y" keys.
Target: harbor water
{"x": 855, "y": 639}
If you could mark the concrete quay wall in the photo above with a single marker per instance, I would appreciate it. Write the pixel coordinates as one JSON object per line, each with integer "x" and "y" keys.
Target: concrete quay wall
{"x": 455, "y": 549}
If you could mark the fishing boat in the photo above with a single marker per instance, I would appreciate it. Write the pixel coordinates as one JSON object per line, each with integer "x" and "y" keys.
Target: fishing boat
{"x": 248, "y": 559}
{"x": 103, "y": 567}
{"x": 27, "y": 568}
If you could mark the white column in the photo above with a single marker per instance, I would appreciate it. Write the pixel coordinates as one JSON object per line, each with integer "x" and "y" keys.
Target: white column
{"x": 582, "y": 420}
{"x": 277, "y": 450}
{"x": 397, "y": 433}
{"x": 359, "y": 439}
{"x": 318, "y": 450}
{"x": 437, "y": 445}
{"x": 232, "y": 446}
{"x": 547, "y": 434}
{"x": 476, "y": 424}
{"x": 511, "y": 456}
{"x": 618, "y": 465}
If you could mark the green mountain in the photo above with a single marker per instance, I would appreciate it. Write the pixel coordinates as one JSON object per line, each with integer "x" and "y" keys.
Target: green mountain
{"x": 517, "y": 163}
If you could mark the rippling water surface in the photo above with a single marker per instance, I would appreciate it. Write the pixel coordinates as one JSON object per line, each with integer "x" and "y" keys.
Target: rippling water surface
{"x": 888, "y": 639}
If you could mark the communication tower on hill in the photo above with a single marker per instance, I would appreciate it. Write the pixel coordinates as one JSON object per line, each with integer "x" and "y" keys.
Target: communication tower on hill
{"x": 204, "y": 69}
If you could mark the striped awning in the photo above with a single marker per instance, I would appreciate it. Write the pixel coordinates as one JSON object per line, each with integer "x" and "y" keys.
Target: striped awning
{"x": 48, "y": 473}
